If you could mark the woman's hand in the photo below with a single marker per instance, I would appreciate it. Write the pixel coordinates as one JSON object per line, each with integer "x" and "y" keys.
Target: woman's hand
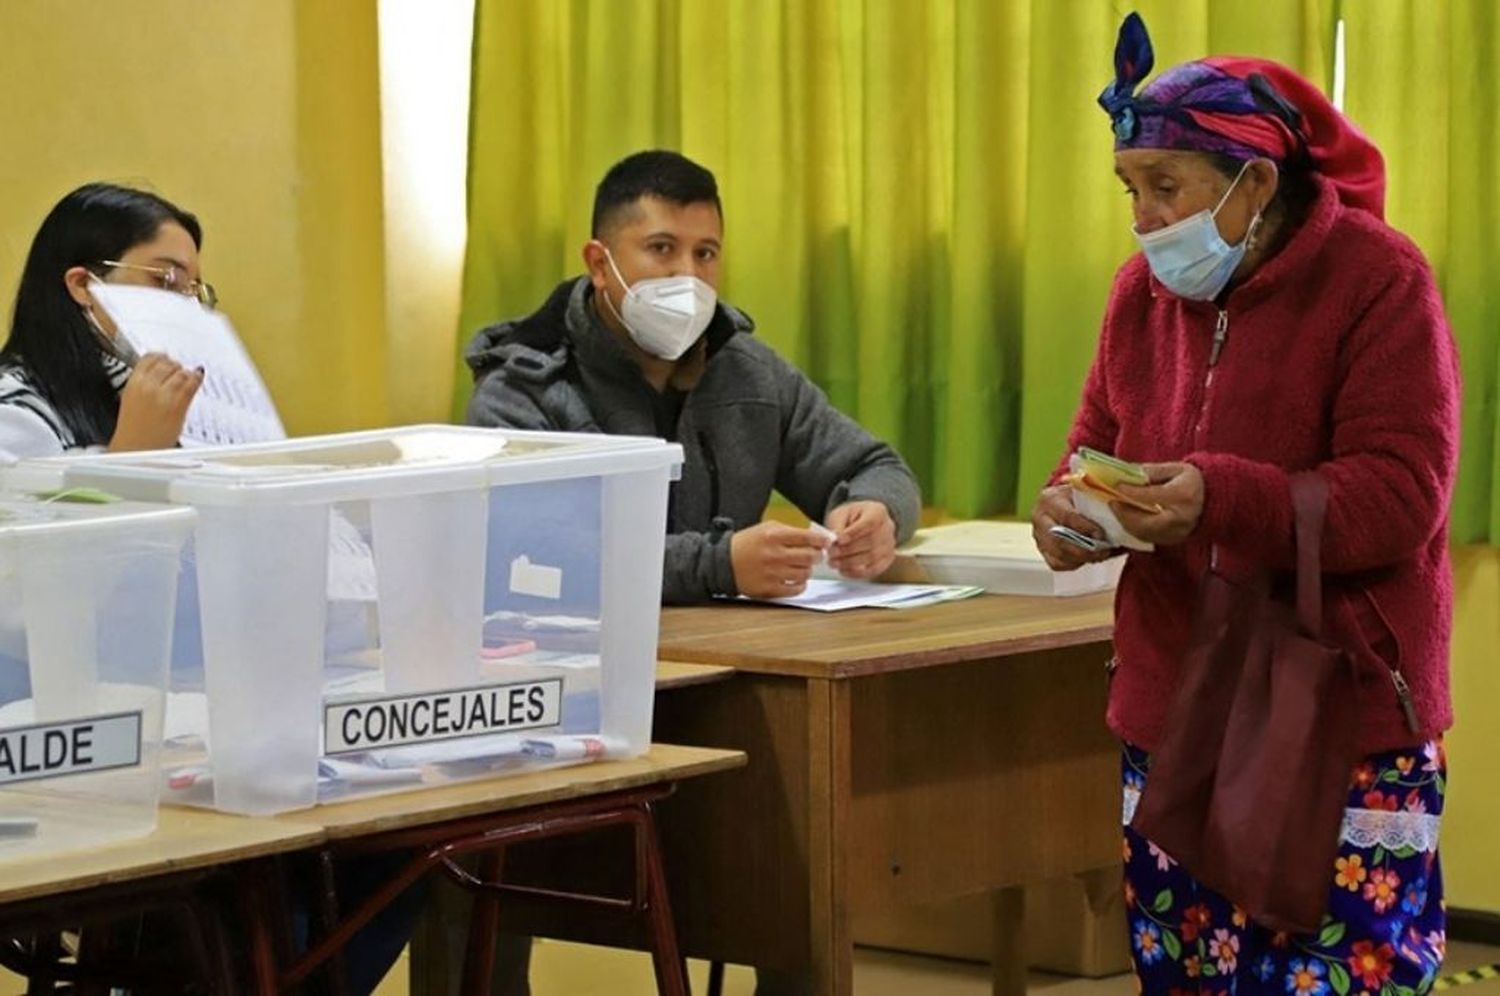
{"x": 1054, "y": 507}
{"x": 154, "y": 404}
{"x": 1178, "y": 489}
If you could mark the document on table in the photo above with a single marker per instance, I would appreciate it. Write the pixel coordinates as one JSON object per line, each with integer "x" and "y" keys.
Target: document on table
{"x": 822, "y": 595}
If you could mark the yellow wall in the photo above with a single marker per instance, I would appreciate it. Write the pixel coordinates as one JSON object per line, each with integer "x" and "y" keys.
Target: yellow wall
{"x": 1471, "y": 863}
{"x": 260, "y": 116}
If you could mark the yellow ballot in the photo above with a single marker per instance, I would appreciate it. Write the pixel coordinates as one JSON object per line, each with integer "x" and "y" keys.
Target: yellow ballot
{"x": 1100, "y": 474}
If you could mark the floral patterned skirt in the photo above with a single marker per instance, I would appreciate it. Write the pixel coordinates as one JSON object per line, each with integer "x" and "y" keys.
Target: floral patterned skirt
{"x": 1385, "y": 930}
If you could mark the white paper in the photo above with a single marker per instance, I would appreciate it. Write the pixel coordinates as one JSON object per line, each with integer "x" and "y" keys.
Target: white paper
{"x": 1102, "y": 515}
{"x": 823, "y": 595}
{"x": 505, "y": 620}
{"x": 351, "y": 562}
{"x": 187, "y": 717}
{"x": 463, "y": 749}
{"x": 233, "y": 405}
{"x": 354, "y": 773}
{"x": 537, "y": 580}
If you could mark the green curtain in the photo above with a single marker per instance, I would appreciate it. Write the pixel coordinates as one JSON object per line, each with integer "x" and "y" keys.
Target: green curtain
{"x": 919, "y": 205}
{"x": 1423, "y": 79}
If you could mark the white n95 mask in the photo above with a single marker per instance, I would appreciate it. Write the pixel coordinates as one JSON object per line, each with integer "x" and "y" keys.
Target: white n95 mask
{"x": 1191, "y": 258}
{"x": 664, "y": 315}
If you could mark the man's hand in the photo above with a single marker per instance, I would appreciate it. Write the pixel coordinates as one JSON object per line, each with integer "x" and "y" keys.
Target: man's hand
{"x": 772, "y": 560}
{"x": 1178, "y": 489}
{"x": 864, "y": 544}
{"x": 1054, "y": 507}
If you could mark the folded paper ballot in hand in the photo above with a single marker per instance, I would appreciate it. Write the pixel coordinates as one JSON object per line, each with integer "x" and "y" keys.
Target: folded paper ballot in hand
{"x": 1101, "y": 474}
{"x": 1094, "y": 478}
{"x": 1111, "y": 470}
{"x": 1090, "y": 484}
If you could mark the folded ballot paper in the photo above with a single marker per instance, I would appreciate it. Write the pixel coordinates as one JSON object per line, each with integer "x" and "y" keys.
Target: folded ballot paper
{"x": 1002, "y": 558}
{"x": 1095, "y": 478}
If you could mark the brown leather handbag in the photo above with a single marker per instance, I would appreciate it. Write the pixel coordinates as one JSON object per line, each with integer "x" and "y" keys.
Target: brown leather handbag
{"x": 1248, "y": 785}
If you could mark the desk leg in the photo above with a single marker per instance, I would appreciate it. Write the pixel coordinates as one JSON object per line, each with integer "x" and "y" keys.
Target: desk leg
{"x": 484, "y": 925}
{"x": 651, "y": 885}
{"x": 264, "y": 903}
{"x": 829, "y": 790}
{"x": 1010, "y": 942}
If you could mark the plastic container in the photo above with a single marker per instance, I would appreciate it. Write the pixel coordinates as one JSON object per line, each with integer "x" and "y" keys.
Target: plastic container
{"x": 375, "y": 611}
{"x": 86, "y": 606}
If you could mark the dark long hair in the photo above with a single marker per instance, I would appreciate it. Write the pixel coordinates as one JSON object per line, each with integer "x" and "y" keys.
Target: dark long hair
{"x": 49, "y": 334}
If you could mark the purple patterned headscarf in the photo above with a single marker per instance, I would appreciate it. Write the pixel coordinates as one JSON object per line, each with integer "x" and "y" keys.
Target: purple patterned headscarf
{"x": 1247, "y": 108}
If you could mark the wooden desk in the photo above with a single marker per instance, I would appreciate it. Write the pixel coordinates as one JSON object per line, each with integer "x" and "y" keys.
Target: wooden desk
{"x": 175, "y": 870}
{"x": 484, "y": 819}
{"x": 184, "y": 840}
{"x": 168, "y": 864}
{"x": 676, "y": 674}
{"x": 425, "y": 806}
{"x": 896, "y": 758}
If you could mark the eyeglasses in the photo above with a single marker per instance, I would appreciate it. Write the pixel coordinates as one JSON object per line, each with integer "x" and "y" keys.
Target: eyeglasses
{"x": 173, "y": 279}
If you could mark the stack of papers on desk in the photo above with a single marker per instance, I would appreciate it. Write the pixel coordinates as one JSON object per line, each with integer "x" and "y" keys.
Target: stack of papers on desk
{"x": 1002, "y": 558}
{"x": 823, "y": 595}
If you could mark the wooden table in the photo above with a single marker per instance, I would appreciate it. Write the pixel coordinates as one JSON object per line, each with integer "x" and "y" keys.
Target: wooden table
{"x": 433, "y": 827}
{"x": 184, "y": 840}
{"x": 170, "y": 869}
{"x": 663, "y": 763}
{"x": 168, "y": 864}
{"x": 896, "y": 758}
{"x": 676, "y": 674}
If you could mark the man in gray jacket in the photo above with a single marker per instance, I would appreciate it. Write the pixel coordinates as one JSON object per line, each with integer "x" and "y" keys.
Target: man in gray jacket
{"x": 641, "y": 345}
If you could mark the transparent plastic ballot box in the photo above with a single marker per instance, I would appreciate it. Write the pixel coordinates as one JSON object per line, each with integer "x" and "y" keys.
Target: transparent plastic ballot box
{"x": 380, "y": 610}
{"x": 87, "y": 594}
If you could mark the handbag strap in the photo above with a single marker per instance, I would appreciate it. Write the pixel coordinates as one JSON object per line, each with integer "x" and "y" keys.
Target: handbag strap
{"x": 1309, "y": 504}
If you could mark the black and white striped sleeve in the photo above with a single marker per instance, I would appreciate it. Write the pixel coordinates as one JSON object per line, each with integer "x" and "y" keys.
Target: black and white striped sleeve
{"x": 28, "y": 425}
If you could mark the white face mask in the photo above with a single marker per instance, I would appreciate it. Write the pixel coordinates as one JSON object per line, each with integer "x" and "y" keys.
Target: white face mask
{"x": 1190, "y": 257}
{"x": 664, "y": 315}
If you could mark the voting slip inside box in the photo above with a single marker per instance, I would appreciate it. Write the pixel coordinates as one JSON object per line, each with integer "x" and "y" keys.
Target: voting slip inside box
{"x": 87, "y": 595}
{"x": 365, "y": 611}
{"x": 1002, "y": 558}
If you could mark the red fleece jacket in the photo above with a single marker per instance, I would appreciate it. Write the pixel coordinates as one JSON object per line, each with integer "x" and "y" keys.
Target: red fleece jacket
{"x": 1337, "y": 357}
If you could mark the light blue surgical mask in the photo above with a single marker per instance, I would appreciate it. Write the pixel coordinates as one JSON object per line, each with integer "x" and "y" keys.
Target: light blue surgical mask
{"x": 1191, "y": 258}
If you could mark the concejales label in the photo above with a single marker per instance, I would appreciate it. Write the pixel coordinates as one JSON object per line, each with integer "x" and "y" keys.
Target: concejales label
{"x": 356, "y": 725}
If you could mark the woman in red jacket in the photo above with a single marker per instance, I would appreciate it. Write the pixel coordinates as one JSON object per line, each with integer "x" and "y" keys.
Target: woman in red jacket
{"x": 1273, "y": 323}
